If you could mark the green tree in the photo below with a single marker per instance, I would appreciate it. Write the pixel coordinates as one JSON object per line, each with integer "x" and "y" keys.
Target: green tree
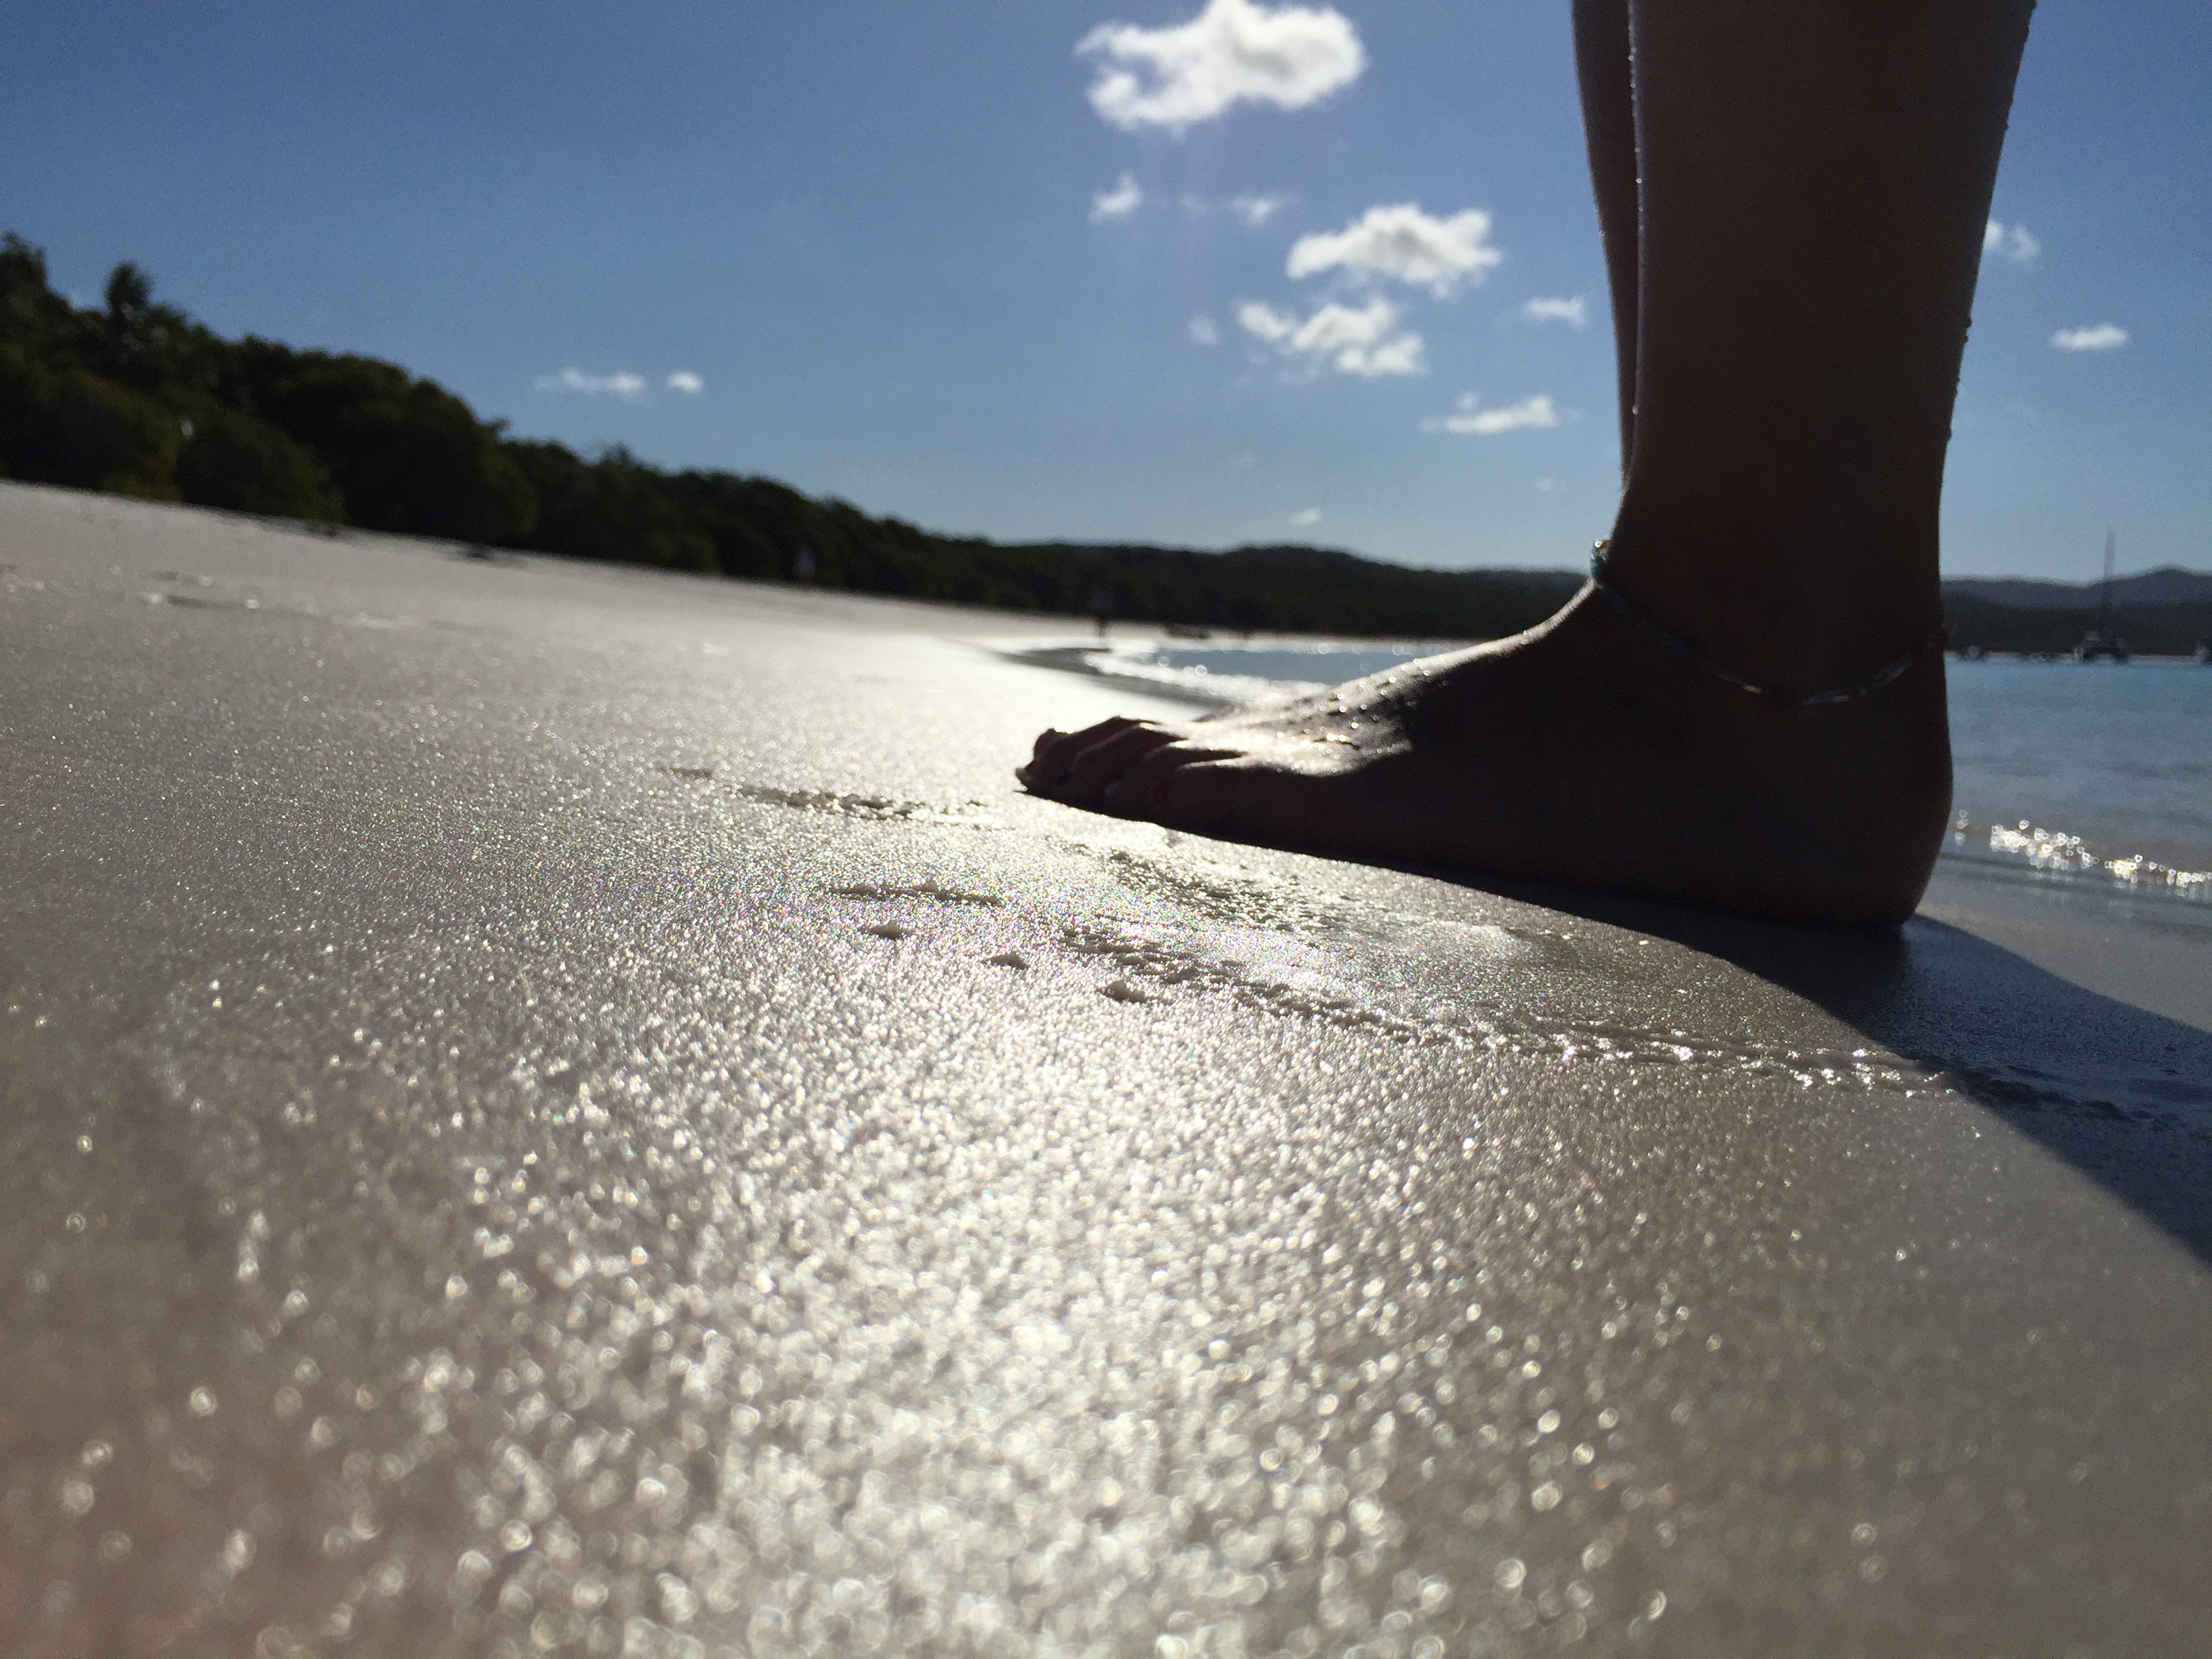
{"x": 64, "y": 426}
{"x": 407, "y": 455}
{"x": 615, "y": 508}
{"x": 149, "y": 347}
{"x": 34, "y": 318}
{"x": 134, "y": 397}
{"x": 233, "y": 460}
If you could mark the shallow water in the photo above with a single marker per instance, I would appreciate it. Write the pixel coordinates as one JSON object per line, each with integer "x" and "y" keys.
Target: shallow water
{"x": 2116, "y": 759}
{"x": 2098, "y": 773}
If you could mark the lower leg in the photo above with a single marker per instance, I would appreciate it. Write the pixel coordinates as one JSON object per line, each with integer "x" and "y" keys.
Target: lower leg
{"x": 1601, "y": 67}
{"x": 1814, "y": 179}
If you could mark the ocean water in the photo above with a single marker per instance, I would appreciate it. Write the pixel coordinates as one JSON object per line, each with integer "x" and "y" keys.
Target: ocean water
{"x": 2083, "y": 774}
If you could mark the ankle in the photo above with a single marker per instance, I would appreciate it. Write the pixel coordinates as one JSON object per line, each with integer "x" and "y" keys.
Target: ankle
{"x": 1796, "y": 602}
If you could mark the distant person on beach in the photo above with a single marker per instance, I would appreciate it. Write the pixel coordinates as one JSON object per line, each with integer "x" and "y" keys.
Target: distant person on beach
{"x": 1745, "y": 706}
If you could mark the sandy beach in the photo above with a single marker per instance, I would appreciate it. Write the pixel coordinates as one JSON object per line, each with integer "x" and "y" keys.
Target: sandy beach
{"x": 559, "y": 1109}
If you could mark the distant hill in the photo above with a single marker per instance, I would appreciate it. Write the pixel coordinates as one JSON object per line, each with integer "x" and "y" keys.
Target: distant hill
{"x": 2163, "y": 612}
{"x": 2168, "y": 585}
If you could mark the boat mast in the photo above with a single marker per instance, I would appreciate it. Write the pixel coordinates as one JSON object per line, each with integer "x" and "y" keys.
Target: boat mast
{"x": 2105, "y": 596}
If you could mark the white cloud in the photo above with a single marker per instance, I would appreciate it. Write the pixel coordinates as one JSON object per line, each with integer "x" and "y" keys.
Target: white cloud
{"x": 2014, "y": 242}
{"x": 623, "y": 384}
{"x": 1470, "y": 417}
{"x": 1367, "y": 342}
{"x": 1306, "y": 516}
{"x": 1402, "y": 356}
{"x": 1574, "y": 313}
{"x": 1204, "y": 331}
{"x": 1400, "y": 240}
{"x": 1257, "y": 317}
{"x": 2099, "y": 337}
{"x": 1118, "y": 203}
{"x": 1251, "y": 211}
{"x": 1233, "y": 51}
{"x": 685, "y": 381}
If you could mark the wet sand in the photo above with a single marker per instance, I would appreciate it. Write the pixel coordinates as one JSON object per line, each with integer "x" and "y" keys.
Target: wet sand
{"x": 563, "y": 1110}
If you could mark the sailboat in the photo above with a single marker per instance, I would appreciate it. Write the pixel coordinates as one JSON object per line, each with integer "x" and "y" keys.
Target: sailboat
{"x": 2101, "y": 644}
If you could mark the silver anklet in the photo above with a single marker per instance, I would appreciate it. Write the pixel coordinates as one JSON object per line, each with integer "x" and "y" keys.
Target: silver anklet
{"x": 1682, "y": 647}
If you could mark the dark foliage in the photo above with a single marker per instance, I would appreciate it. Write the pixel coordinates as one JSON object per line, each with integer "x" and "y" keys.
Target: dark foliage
{"x": 59, "y": 424}
{"x": 61, "y": 420}
{"x": 135, "y": 397}
{"x": 407, "y": 456}
{"x": 103, "y": 400}
{"x": 33, "y": 317}
{"x": 2152, "y": 630}
{"x": 232, "y": 460}
{"x": 611, "y": 509}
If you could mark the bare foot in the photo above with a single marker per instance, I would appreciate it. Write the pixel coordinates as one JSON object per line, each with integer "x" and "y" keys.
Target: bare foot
{"x": 1579, "y": 753}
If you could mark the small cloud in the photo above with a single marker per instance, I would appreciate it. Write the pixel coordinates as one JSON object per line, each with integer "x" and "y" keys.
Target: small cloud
{"x": 1203, "y": 330}
{"x": 2014, "y": 242}
{"x": 1234, "y": 51}
{"x": 622, "y": 384}
{"x": 1306, "y": 516}
{"x": 1469, "y": 418}
{"x": 1545, "y": 486}
{"x": 1574, "y": 312}
{"x": 1262, "y": 320}
{"x": 1367, "y": 342}
{"x": 685, "y": 381}
{"x": 1402, "y": 356}
{"x": 1400, "y": 241}
{"x": 1118, "y": 203}
{"x": 1251, "y": 211}
{"x": 1242, "y": 457}
{"x": 2099, "y": 337}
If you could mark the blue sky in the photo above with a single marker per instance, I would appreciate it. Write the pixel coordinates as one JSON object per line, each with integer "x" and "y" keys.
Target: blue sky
{"x": 894, "y": 244}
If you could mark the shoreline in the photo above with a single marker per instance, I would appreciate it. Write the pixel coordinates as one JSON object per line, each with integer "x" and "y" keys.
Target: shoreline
{"x": 2038, "y": 853}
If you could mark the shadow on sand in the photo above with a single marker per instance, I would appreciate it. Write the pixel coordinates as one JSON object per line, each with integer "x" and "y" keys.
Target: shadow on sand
{"x": 2123, "y": 1094}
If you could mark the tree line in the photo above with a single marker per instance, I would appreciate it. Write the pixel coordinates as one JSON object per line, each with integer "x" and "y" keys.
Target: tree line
{"x": 134, "y": 397}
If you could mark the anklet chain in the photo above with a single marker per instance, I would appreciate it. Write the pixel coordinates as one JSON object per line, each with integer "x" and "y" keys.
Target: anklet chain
{"x": 1643, "y": 624}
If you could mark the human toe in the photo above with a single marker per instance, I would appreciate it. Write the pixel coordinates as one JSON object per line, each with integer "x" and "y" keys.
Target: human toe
{"x": 1056, "y": 750}
{"x": 1084, "y": 782}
